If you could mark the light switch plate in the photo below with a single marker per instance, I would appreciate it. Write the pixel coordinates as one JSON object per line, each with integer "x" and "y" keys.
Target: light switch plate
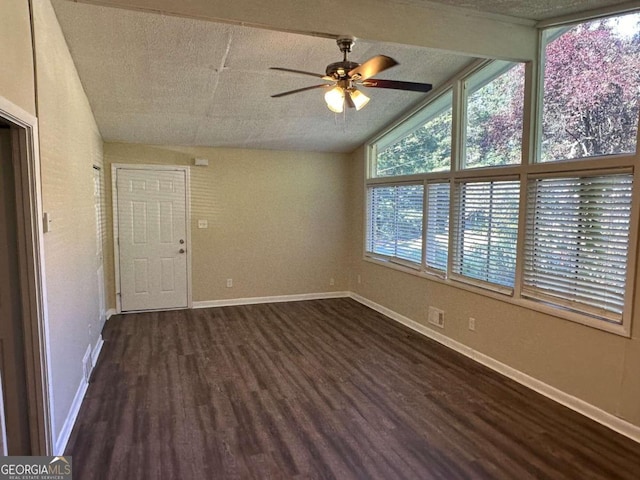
{"x": 46, "y": 222}
{"x": 203, "y": 224}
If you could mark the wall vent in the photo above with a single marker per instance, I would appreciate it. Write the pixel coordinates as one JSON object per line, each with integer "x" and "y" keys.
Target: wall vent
{"x": 436, "y": 317}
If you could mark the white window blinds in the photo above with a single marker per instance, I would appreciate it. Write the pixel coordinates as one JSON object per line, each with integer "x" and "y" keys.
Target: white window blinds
{"x": 437, "y": 234}
{"x": 576, "y": 243}
{"x": 395, "y": 221}
{"x": 487, "y": 231}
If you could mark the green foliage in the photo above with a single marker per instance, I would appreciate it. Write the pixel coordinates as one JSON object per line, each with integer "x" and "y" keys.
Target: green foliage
{"x": 494, "y": 121}
{"x": 427, "y": 149}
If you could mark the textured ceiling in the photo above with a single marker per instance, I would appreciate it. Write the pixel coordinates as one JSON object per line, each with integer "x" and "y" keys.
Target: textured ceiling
{"x": 167, "y": 80}
{"x": 529, "y": 9}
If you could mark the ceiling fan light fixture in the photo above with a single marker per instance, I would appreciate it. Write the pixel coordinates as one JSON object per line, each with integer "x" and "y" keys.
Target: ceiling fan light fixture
{"x": 347, "y": 76}
{"x": 359, "y": 99}
{"x": 335, "y": 99}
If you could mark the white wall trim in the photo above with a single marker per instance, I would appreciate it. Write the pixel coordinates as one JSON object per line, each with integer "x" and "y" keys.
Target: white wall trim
{"x": 3, "y": 428}
{"x": 95, "y": 353}
{"x": 594, "y": 413}
{"x": 67, "y": 427}
{"x": 70, "y": 421}
{"x": 110, "y": 313}
{"x": 275, "y": 299}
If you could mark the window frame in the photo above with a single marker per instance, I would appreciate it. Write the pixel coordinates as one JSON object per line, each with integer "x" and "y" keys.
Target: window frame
{"x": 405, "y": 126}
{"x": 470, "y": 84}
{"x": 392, "y": 258}
{"x": 548, "y": 32}
{"x": 457, "y": 234}
{"x": 562, "y": 302}
{"x": 527, "y": 171}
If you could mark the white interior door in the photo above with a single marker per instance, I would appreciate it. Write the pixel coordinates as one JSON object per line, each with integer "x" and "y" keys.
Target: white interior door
{"x": 152, "y": 233}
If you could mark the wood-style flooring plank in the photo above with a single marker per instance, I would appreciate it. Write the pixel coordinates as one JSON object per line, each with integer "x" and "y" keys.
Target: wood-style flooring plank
{"x": 324, "y": 389}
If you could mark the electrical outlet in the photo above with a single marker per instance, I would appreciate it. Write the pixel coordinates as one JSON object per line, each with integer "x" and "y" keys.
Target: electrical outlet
{"x": 472, "y": 323}
{"x": 332, "y": 281}
{"x": 436, "y": 317}
{"x": 359, "y": 279}
{"x": 229, "y": 282}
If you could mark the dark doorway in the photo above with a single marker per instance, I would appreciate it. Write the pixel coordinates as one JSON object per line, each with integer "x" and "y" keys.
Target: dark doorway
{"x": 12, "y": 341}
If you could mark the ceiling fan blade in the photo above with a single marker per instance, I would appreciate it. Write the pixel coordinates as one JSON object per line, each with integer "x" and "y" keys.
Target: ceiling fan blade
{"x": 372, "y": 67}
{"x": 302, "y": 72}
{"x": 290, "y": 92}
{"x": 397, "y": 85}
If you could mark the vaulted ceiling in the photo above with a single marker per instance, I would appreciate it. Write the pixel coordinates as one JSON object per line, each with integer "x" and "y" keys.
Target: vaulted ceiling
{"x": 173, "y": 80}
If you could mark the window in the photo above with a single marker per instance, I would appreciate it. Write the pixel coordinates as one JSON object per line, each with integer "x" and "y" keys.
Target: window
{"x": 422, "y": 145}
{"x": 487, "y": 231}
{"x": 437, "y": 251}
{"x": 577, "y": 243}
{"x": 479, "y": 208}
{"x": 494, "y": 115}
{"x": 395, "y": 222}
{"x": 591, "y": 89}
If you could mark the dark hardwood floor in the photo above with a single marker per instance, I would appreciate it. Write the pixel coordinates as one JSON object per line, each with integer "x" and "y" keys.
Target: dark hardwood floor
{"x": 318, "y": 389}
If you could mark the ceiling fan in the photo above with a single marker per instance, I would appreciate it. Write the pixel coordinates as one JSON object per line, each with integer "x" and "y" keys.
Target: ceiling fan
{"x": 346, "y": 76}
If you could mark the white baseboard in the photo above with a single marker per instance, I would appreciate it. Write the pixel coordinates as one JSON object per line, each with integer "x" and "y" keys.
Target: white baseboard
{"x": 95, "y": 353}
{"x": 110, "y": 313}
{"x": 275, "y": 299}
{"x": 604, "y": 418}
{"x": 67, "y": 427}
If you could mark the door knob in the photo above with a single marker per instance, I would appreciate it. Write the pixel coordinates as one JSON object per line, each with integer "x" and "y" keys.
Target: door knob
{"x": 181, "y": 250}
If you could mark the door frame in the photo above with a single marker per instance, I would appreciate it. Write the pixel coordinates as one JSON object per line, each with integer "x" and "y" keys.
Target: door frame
{"x": 33, "y": 292}
{"x": 101, "y": 231}
{"x": 114, "y": 200}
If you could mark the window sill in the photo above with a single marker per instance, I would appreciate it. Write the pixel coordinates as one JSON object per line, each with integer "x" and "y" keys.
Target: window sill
{"x": 547, "y": 309}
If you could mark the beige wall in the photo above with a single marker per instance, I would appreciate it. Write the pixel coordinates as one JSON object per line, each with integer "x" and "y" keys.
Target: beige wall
{"x": 600, "y": 368}
{"x": 69, "y": 146}
{"x": 16, "y": 58}
{"x": 277, "y": 220}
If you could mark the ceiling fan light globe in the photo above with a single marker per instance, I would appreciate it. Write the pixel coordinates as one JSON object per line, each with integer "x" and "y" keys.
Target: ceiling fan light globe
{"x": 359, "y": 99}
{"x": 335, "y": 99}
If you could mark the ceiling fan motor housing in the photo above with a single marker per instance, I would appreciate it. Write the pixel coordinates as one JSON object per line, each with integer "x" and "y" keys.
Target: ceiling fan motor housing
{"x": 339, "y": 70}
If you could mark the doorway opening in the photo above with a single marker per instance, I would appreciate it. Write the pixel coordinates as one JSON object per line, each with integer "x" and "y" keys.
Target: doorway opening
{"x": 25, "y": 427}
